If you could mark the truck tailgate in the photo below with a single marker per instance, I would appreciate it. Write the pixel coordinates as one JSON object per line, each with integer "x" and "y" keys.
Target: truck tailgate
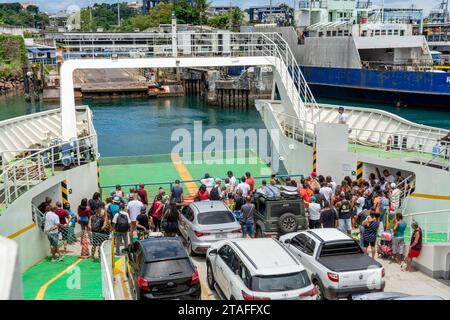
{"x": 348, "y": 262}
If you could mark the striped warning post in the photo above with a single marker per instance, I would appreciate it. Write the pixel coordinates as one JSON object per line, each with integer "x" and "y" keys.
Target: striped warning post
{"x": 64, "y": 192}
{"x": 98, "y": 176}
{"x": 314, "y": 159}
{"x": 359, "y": 170}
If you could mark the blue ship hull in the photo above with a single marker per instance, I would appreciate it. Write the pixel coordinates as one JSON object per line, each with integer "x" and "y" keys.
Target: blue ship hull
{"x": 420, "y": 89}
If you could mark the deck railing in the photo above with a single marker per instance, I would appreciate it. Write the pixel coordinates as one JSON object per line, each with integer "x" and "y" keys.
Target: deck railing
{"x": 20, "y": 176}
{"x": 435, "y": 224}
{"x": 154, "y": 186}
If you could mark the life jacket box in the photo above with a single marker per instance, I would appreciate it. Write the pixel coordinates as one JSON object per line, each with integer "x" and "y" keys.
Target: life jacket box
{"x": 289, "y": 192}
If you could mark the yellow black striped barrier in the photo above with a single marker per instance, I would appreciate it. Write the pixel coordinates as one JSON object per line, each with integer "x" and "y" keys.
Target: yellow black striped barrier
{"x": 64, "y": 192}
{"x": 98, "y": 176}
{"x": 359, "y": 170}
{"x": 314, "y": 159}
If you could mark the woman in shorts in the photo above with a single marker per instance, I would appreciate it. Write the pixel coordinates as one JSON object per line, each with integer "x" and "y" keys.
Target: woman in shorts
{"x": 398, "y": 242}
{"x": 416, "y": 245}
{"x": 370, "y": 233}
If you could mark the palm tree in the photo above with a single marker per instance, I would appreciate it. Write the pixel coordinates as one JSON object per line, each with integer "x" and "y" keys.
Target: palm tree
{"x": 201, "y": 6}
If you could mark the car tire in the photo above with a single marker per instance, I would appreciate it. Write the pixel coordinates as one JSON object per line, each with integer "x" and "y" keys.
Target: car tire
{"x": 210, "y": 276}
{"x": 259, "y": 233}
{"x": 189, "y": 248}
{"x": 287, "y": 223}
{"x": 319, "y": 289}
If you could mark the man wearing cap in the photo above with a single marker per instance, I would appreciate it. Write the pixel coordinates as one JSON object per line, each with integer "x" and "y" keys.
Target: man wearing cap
{"x": 314, "y": 214}
{"x": 114, "y": 207}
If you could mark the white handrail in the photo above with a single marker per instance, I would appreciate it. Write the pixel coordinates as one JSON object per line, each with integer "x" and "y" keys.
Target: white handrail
{"x": 107, "y": 271}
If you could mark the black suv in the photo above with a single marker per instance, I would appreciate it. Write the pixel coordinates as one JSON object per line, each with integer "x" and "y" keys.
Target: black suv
{"x": 161, "y": 269}
{"x": 278, "y": 215}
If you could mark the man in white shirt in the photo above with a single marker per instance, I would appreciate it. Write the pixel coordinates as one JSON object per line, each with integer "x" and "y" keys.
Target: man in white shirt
{"x": 121, "y": 224}
{"x": 314, "y": 214}
{"x": 245, "y": 188}
{"x": 232, "y": 178}
{"x": 388, "y": 176}
{"x": 208, "y": 182}
{"x": 51, "y": 226}
{"x": 326, "y": 191}
{"x": 343, "y": 117}
{"x": 134, "y": 209}
{"x": 331, "y": 183}
{"x": 395, "y": 197}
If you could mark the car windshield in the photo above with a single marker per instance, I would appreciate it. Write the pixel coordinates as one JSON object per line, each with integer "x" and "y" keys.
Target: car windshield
{"x": 283, "y": 282}
{"x": 163, "y": 250}
{"x": 168, "y": 268}
{"x": 215, "y": 217}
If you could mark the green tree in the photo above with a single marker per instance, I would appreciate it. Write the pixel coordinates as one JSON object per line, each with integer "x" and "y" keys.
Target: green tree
{"x": 160, "y": 14}
{"x": 140, "y": 22}
{"x": 237, "y": 16}
{"x": 201, "y": 6}
{"x": 185, "y": 13}
{"x": 220, "y": 21}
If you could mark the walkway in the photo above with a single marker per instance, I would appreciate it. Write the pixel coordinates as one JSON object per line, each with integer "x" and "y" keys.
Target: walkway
{"x": 70, "y": 279}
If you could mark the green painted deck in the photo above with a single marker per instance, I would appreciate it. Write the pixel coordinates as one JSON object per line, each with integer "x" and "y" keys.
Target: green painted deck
{"x": 82, "y": 282}
{"x": 160, "y": 168}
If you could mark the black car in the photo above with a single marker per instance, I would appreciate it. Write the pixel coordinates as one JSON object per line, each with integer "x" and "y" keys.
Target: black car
{"x": 161, "y": 269}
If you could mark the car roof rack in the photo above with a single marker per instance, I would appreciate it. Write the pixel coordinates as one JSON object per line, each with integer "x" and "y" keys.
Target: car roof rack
{"x": 245, "y": 255}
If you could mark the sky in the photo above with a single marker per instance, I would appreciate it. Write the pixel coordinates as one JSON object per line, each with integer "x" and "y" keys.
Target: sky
{"x": 58, "y": 5}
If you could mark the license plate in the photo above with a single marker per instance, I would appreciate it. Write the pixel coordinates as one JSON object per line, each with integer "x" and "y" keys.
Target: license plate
{"x": 359, "y": 296}
{"x": 221, "y": 236}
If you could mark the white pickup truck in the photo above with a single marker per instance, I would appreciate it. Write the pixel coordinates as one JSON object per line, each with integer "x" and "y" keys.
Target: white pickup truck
{"x": 335, "y": 262}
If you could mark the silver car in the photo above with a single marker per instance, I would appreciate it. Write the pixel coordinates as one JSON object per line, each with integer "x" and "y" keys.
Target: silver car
{"x": 205, "y": 222}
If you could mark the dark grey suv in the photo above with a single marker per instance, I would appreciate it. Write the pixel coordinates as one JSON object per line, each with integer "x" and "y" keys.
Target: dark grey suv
{"x": 278, "y": 216}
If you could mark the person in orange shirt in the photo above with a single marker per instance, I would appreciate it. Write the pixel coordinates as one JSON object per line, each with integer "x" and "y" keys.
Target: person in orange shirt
{"x": 377, "y": 205}
{"x": 306, "y": 194}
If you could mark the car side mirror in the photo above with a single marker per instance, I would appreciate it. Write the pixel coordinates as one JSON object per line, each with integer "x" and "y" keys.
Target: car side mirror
{"x": 287, "y": 241}
{"x": 213, "y": 252}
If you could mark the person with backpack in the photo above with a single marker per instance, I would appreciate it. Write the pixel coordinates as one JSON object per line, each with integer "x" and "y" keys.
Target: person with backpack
{"x": 83, "y": 214}
{"x": 72, "y": 238}
{"x": 121, "y": 225}
{"x": 171, "y": 220}
{"x": 345, "y": 214}
{"x": 384, "y": 209}
{"x": 144, "y": 224}
{"x": 214, "y": 194}
{"x": 95, "y": 202}
{"x": 98, "y": 225}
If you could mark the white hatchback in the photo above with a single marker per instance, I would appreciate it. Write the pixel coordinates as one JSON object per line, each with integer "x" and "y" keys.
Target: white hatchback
{"x": 256, "y": 269}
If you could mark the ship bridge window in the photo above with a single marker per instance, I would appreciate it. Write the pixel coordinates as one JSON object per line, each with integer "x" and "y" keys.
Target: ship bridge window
{"x": 395, "y": 32}
{"x": 346, "y": 33}
{"x": 377, "y": 32}
{"x": 389, "y": 32}
{"x": 328, "y": 33}
{"x": 383, "y": 32}
{"x": 340, "y": 33}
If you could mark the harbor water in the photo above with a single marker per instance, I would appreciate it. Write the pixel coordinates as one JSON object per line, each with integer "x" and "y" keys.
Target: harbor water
{"x": 144, "y": 126}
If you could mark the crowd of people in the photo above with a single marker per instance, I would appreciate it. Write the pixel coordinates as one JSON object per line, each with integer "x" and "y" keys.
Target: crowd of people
{"x": 369, "y": 207}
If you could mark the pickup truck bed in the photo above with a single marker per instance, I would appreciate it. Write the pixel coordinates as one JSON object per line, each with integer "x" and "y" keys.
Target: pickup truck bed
{"x": 348, "y": 262}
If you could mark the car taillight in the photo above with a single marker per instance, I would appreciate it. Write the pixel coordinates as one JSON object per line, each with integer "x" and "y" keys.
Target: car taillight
{"x": 383, "y": 273}
{"x": 334, "y": 277}
{"x": 239, "y": 230}
{"x": 309, "y": 293}
{"x": 247, "y": 296}
{"x": 143, "y": 284}
{"x": 201, "y": 234}
{"x": 194, "y": 278}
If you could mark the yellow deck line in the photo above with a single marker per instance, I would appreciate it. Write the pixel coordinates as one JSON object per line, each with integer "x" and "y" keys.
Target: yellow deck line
{"x": 41, "y": 292}
{"x": 184, "y": 173}
{"x": 192, "y": 189}
{"x": 430, "y": 196}
{"x": 23, "y": 230}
